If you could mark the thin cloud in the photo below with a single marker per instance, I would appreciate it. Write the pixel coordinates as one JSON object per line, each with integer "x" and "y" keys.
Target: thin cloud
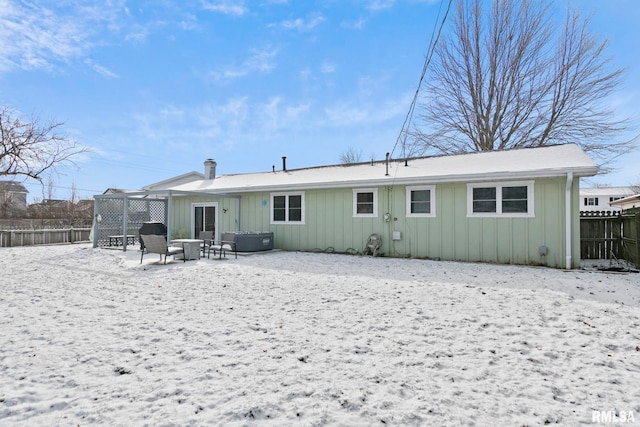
{"x": 233, "y": 122}
{"x": 189, "y": 23}
{"x": 276, "y": 115}
{"x": 354, "y": 25}
{"x": 227, "y": 7}
{"x": 300, "y": 24}
{"x": 377, "y": 5}
{"x": 261, "y": 60}
{"x": 347, "y": 114}
{"x": 327, "y": 68}
{"x": 137, "y": 34}
{"x": 33, "y": 36}
{"x": 101, "y": 70}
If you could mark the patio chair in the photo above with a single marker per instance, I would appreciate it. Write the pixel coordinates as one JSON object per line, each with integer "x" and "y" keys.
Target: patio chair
{"x": 207, "y": 236}
{"x": 156, "y": 244}
{"x": 227, "y": 243}
{"x": 373, "y": 245}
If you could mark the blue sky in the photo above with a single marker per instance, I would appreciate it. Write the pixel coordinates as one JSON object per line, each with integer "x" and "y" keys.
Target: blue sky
{"x": 155, "y": 87}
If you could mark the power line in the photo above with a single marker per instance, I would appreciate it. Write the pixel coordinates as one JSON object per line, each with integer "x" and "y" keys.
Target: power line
{"x": 432, "y": 45}
{"x": 137, "y": 166}
{"x": 60, "y": 186}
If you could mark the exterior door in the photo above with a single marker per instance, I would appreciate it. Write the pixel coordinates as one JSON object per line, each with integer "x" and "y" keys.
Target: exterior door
{"x": 204, "y": 217}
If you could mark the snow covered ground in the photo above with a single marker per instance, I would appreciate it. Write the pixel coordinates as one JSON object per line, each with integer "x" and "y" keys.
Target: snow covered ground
{"x": 91, "y": 337}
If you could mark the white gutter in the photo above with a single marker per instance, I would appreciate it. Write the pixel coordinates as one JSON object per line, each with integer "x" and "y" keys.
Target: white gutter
{"x": 568, "y": 225}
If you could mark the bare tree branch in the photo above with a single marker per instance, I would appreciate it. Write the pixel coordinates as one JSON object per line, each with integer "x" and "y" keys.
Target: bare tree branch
{"x": 351, "y": 156}
{"x": 30, "y": 148}
{"x": 506, "y": 77}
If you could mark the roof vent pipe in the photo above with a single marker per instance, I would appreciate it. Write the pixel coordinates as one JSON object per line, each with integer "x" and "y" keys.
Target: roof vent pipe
{"x": 210, "y": 169}
{"x": 284, "y": 163}
{"x": 387, "y": 163}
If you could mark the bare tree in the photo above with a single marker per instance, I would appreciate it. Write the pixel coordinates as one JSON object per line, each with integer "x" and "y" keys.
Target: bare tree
{"x": 351, "y": 156}
{"x": 30, "y": 148}
{"x": 507, "y": 77}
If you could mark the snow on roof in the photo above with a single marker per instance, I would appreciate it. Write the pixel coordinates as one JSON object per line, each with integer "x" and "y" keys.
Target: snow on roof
{"x": 606, "y": 191}
{"x": 629, "y": 202}
{"x": 176, "y": 180}
{"x": 549, "y": 161}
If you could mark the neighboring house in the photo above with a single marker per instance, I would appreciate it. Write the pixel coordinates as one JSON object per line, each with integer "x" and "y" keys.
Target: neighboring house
{"x": 626, "y": 203}
{"x": 598, "y": 198}
{"x": 116, "y": 191}
{"x": 50, "y": 208}
{"x": 13, "y": 199}
{"x": 517, "y": 206}
{"x": 83, "y": 209}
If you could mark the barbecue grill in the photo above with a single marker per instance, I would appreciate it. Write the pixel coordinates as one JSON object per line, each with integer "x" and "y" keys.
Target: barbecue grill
{"x": 152, "y": 227}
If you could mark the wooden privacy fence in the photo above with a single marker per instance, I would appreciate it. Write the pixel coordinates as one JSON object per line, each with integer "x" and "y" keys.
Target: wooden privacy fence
{"x": 600, "y": 235}
{"x": 610, "y": 235}
{"x": 11, "y": 238}
{"x": 631, "y": 236}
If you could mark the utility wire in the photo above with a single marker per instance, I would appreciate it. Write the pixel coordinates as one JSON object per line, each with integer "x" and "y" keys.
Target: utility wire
{"x": 432, "y": 45}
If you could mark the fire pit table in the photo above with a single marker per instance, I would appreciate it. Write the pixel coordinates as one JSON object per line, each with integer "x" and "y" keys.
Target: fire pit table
{"x": 192, "y": 248}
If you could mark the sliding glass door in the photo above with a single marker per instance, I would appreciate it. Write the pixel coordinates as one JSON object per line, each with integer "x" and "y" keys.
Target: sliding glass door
{"x": 204, "y": 218}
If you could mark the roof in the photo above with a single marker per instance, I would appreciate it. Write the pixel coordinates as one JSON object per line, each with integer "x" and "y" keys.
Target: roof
{"x": 528, "y": 163}
{"x": 13, "y": 186}
{"x": 607, "y": 191}
{"x": 176, "y": 180}
{"x": 116, "y": 191}
{"x": 629, "y": 202}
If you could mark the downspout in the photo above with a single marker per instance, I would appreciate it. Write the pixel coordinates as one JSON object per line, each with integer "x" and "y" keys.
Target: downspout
{"x": 568, "y": 223}
{"x": 238, "y": 199}
{"x": 169, "y": 215}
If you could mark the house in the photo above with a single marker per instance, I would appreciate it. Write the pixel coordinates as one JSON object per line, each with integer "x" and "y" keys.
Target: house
{"x": 13, "y": 199}
{"x": 50, "y": 208}
{"x": 116, "y": 191}
{"x": 597, "y": 199}
{"x": 627, "y": 203}
{"x": 517, "y": 206}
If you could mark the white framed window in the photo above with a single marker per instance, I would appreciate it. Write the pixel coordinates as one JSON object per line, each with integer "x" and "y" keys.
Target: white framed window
{"x": 421, "y": 201}
{"x": 287, "y": 208}
{"x": 365, "y": 202}
{"x": 504, "y": 199}
{"x": 591, "y": 201}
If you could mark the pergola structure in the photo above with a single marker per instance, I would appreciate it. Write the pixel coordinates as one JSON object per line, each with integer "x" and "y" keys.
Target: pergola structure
{"x": 119, "y": 216}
